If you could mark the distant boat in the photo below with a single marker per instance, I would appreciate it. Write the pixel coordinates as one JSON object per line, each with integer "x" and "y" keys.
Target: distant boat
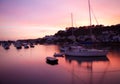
{"x": 63, "y": 49}
{"x": 32, "y": 46}
{"x": 25, "y": 45}
{"x": 6, "y": 47}
{"x": 80, "y": 51}
{"x": 58, "y": 54}
{"x": 18, "y": 45}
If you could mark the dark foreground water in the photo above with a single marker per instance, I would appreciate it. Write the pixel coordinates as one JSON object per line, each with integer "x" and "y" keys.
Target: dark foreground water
{"x": 28, "y": 66}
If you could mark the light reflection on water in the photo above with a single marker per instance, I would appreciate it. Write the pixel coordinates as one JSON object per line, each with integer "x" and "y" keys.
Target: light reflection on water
{"x": 28, "y": 66}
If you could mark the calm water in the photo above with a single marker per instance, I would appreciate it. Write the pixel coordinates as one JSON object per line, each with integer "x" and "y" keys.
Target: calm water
{"x": 28, "y": 66}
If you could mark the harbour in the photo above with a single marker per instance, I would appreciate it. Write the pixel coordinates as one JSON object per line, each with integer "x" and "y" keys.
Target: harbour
{"x": 28, "y": 66}
{"x": 59, "y": 42}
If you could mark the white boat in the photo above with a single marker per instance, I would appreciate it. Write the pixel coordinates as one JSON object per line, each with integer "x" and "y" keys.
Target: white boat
{"x": 26, "y": 46}
{"x": 63, "y": 49}
{"x": 58, "y": 54}
{"x": 80, "y": 51}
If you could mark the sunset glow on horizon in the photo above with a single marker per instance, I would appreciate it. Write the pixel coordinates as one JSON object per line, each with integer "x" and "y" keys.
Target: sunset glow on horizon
{"x": 28, "y": 19}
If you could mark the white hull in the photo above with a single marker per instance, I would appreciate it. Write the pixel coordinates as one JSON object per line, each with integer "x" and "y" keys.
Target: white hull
{"x": 79, "y": 51}
{"x": 58, "y": 54}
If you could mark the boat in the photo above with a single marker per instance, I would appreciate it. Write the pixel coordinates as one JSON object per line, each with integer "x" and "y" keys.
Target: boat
{"x": 18, "y": 46}
{"x": 51, "y": 60}
{"x": 80, "y": 51}
{"x": 76, "y": 50}
{"x": 32, "y": 46}
{"x": 63, "y": 48}
{"x": 58, "y": 54}
{"x": 26, "y": 46}
{"x": 6, "y": 45}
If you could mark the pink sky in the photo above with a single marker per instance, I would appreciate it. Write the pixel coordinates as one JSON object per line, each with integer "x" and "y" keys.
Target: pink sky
{"x": 21, "y": 19}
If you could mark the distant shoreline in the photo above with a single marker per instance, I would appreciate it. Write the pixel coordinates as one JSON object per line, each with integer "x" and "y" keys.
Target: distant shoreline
{"x": 103, "y": 35}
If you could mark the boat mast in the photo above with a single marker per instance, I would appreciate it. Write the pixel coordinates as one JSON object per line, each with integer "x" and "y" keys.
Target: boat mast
{"x": 71, "y": 20}
{"x": 91, "y": 34}
{"x": 89, "y": 12}
{"x": 72, "y": 27}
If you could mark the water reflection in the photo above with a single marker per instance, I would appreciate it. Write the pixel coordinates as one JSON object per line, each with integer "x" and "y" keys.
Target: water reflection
{"x": 89, "y": 61}
{"x": 86, "y": 68}
{"x": 86, "y": 59}
{"x": 28, "y": 66}
{"x": 51, "y": 63}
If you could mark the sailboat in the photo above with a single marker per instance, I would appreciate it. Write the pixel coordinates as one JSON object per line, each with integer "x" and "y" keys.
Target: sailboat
{"x": 84, "y": 52}
{"x": 80, "y": 51}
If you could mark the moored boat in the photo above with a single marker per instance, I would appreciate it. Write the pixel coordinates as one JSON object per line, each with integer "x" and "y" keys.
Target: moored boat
{"x": 32, "y": 46}
{"x": 26, "y": 46}
{"x": 51, "y": 60}
{"x": 80, "y": 51}
{"x": 6, "y": 47}
{"x": 58, "y": 54}
{"x": 63, "y": 49}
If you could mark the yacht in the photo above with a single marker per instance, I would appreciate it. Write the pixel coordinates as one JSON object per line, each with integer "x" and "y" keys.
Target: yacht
{"x": 80, "y": 51}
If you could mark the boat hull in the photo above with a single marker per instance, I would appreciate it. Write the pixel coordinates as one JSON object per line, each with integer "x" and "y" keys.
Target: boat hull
{"x": 51, "y": 60}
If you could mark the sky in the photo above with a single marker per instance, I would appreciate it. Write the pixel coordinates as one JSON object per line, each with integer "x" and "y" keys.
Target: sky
{"x": 29, "y": 19}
